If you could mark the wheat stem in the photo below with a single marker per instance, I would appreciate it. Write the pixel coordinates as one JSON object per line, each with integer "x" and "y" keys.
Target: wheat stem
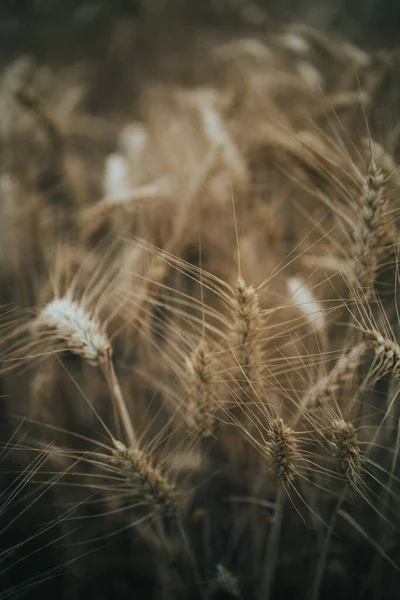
{"x": 324, "y": 550}
{"x": 114, "y": 387}
{"x": 272, "y": 550}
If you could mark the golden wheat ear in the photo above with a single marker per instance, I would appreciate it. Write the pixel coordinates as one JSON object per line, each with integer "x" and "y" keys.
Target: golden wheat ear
{"x": 367, "y": 233}
{"x": 199, "y": 403}
{"x": 65, "y": 320}
{"x": 70, "y": 323}
{"x": 344, "y": 370}
{"x": 146, "y": 479}
{"x": 347, "y": 451}
{"x": 386, "y": 351}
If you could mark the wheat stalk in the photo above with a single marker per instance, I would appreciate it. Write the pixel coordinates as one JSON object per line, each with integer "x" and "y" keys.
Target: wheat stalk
{"x": 283, "y": 450}
{"x": 66, "y": 320}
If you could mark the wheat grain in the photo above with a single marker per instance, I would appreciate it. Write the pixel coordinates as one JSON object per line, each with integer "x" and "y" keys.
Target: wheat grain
{"x": 138, "y": 471}
{"x": 325, "y": 388}
{"x": 366, "y": 234}
{"x": 283, "y": 450}
{"x": 69, "y": 322}
{"x": 347, "y": 451}
{"x": 387, "y": 352}
{"x": 246, "y": 331}
{"x": 200, "y": 404}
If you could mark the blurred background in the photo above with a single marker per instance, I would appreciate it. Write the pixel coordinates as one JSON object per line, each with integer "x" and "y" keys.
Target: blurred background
{"x": 44, "y": 25}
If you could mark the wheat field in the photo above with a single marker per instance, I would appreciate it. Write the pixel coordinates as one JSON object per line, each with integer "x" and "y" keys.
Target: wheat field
{"x": 199, "y": 355}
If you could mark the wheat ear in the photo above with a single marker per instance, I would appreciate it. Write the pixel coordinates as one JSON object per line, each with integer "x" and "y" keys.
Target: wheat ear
{"x": 200, "y": 406}
{"x": 78, "y": 329}
{"x": 136, "y": 469}
{"x": 348, "y": 455}
{"x": 367, "y": 234}
{"x": 68, "y": 321}
{"x": 387, "y": 352}
{"x": 247, "y": 322}
{"x": 347, "y": 451}
{"x": 318, "y": 395}
{"x": 283, "y": 450}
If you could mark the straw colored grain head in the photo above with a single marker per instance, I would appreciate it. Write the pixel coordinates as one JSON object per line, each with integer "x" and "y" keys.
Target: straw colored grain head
{"x": 284, "y": 452}
{"x": 347, "y": 451}
{"x": 145, "y": 479}
{"x": 67, "y": 321}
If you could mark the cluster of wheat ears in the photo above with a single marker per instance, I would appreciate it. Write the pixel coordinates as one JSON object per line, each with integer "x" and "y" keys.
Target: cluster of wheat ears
{"x": 199, "y": 365}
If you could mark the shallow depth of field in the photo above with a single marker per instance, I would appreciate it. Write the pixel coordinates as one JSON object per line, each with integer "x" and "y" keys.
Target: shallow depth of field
{"x": 199, "y": 318}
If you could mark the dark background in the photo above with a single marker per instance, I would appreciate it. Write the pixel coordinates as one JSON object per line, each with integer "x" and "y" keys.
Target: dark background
{"x": 371, "y": 23}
